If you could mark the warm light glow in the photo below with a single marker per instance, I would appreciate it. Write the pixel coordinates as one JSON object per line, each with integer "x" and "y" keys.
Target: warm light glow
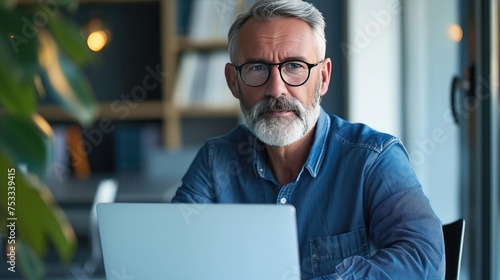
{"x": 39, "y": 86}
{"x": 44, "y": 126}
{"x": 456, "y": 32}
{"x": 49, "y": 59}
{"x": 97, "y": 40}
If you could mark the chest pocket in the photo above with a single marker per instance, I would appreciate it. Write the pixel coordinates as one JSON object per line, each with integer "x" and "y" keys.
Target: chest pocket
{"x": 327, "y": 252}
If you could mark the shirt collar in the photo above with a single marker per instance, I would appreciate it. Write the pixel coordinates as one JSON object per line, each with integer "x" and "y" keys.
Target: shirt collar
{"x": 318, "y": 148}
{"x": 316, "y": 154}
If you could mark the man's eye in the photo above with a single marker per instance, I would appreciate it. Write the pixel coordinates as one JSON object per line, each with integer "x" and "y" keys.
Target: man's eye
{"x": 294, "y": 65}
{"x": 257, "y": 67}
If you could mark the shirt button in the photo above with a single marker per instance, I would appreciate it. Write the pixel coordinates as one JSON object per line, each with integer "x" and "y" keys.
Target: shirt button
{"x": 283, "y": 200}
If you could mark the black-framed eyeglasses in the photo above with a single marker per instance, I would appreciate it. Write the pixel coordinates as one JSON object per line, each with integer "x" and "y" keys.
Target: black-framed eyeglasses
{"x": 293, "y": 72}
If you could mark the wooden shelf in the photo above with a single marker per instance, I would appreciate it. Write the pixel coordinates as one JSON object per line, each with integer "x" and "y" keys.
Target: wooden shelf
{"x": 172, "y": 45}
{"x": 188, "y": 44}
{"x": 145, "y": 110}
{"x": 204, "y": 111}
{"x": 37, "y": 2}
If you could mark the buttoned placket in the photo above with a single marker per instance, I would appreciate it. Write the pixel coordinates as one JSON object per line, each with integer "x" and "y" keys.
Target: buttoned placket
{"x": 285, "y": 194}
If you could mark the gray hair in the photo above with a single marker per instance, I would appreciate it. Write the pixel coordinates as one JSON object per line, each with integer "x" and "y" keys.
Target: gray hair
{"x": 271, "y": 9}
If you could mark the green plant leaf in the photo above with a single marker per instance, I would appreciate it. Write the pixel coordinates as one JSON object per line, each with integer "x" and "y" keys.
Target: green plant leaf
{"x": 67, "y": 5}
{"x": 25, "y": 143}
{"x": 18, "y": 43}
{"x": 31, "y": 266}
{"x": 39, "y": 220}
{"x": 18, "y": 46}
{"x": 7, "y": 4}
{"x": 68, "y": 37}
{"x": 16, "y": 97}
{"x": 65, "y": 82}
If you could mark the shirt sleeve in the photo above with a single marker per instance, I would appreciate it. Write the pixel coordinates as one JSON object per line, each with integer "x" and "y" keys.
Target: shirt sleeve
{"x": 401, "y": 224}
{"x": 197, "y": 182}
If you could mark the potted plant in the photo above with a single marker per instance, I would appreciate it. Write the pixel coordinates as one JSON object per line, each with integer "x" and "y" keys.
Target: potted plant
{"x": 41, "y": 52}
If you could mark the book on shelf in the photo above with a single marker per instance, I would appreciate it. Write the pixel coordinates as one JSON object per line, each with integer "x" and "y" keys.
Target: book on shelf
{"x": 211, "y": 19}
{"x": 188, "y": 63}
{"x": 120, "y": 148}
{"x": 217, "y": 93}
{"x": 127, "y": 147}
{"x": 80, "y": 152}
{"x": 183, "y": 12}
{"x": 201, "y": 81}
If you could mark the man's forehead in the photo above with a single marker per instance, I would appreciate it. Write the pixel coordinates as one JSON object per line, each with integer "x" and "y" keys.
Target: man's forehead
{"x": 283, "y": 36}
{"x": 278, "y": 24}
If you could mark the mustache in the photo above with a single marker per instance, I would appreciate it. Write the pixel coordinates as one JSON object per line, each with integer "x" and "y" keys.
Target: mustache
{"x": 271, "y": 104}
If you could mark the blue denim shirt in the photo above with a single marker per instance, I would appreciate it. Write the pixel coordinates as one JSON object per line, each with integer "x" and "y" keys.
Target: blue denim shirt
{"x": 361, "y": 211}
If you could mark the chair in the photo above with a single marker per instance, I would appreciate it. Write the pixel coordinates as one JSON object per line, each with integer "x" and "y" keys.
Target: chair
{"x": 106, "y": 192}
{"x": 453, "y": 245}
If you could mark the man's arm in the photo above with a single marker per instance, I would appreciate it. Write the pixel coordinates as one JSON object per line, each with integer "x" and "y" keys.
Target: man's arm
{"x": 197, "y": 182}
{"x": 400, "y": 223}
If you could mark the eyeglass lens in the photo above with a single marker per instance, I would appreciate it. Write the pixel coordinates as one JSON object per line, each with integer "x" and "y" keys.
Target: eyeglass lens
{"x": 292, "y": 73}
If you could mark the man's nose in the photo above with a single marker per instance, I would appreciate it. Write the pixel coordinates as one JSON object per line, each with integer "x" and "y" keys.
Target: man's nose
{"x": 275, "y": 86}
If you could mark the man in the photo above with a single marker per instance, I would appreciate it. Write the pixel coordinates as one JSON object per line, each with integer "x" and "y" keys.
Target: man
{"x": 361, "y": 212}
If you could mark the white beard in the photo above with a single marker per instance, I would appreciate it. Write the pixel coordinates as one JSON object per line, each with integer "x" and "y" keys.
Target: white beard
{"x": 282, "y": 131}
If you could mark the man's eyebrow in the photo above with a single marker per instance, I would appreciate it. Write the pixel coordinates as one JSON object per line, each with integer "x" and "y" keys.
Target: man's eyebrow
{"x": 303, "y": 58}
{"x": 256, "y": 59}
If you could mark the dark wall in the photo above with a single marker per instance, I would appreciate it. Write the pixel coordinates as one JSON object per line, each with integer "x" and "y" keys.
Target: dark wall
{"x": 134, "y": 47}
{"x": 334, "y": 11}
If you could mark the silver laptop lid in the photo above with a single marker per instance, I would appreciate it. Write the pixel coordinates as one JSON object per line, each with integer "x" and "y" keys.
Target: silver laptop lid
{"x": 198, "y": 241}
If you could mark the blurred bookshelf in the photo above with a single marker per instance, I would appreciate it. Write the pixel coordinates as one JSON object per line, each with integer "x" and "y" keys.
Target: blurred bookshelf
{"x": 138, "y": 136}
{"x": 146, "y": 110}
{"x": 154, "y": 37}
{"x": 197, "y": 31}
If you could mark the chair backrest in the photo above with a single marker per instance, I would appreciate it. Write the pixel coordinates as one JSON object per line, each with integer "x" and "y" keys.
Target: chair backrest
{"x": 453, "y": 244}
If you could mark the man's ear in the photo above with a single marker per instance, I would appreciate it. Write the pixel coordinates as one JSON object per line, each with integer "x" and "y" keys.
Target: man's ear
{"x": 326, "y": 71}
{"x": 231, "y": 79}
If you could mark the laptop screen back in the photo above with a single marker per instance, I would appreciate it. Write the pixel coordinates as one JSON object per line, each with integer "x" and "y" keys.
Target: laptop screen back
{"x": 198, "y": 241}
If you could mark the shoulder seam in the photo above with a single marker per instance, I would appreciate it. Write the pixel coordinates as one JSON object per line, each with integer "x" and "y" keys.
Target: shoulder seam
{"x": 375, "y": 148}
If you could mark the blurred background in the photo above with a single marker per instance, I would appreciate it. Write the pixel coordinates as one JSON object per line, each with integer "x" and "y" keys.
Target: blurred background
{"x": 143, "y": 86}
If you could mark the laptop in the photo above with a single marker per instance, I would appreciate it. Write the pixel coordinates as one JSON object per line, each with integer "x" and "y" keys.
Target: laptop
{"x": 198, "y": 241}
